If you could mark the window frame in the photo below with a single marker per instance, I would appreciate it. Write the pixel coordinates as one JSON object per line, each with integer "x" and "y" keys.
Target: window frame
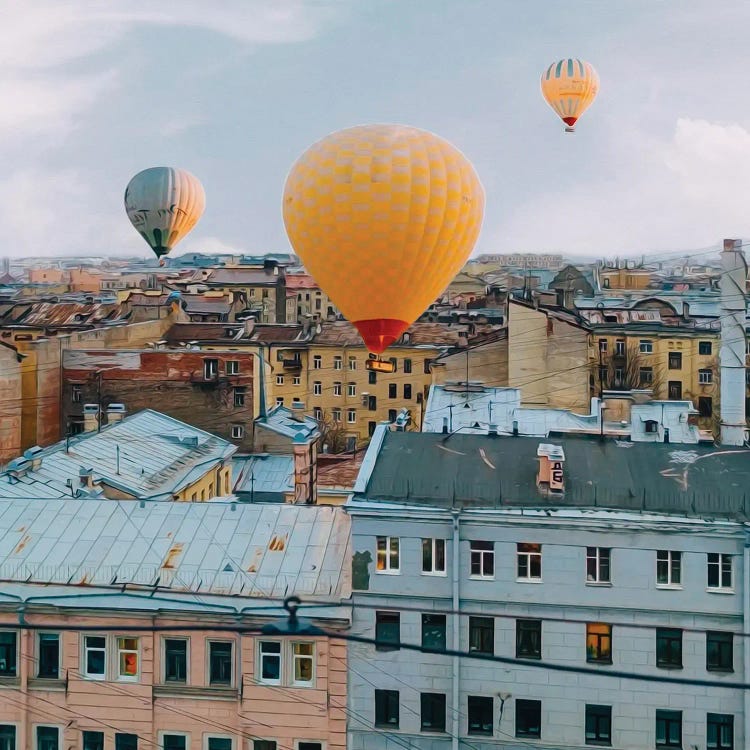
{"x": 383, "y": 701}
{"x": 667, "y": 720}
{"x": 296, "y": 380}
{"x": 317, "y": 388}
{"x": 702, "y": 345}
{"x": 279, "y": 380}
{"x": 84, "y": 732}
{"x": 120, "y": 677}
{"x": 523, "y": 624}
{"x": 528, "y": 557}
{"x": 35, "y": 727}
{"x": 293, "y": 681}
{"x": 483, "y": 701}
{"x": 483, "y": 630}
{"x": 723, "y": 638}
{"x": 186, "y": 641}
{"x": 388, "y": 568}
{"x": 645, "y": 346}
{"x": 260, "y": 656}
{"x": 719, "y": 562}
{"x": 352, "y": 364}
{"x": 598, "y": 557}
{"x": 483, "y": 555}
{"x": 76, "y": 393}
{"x": 668, "y": 636}
{"x": 432, "y": 544}
{"x": 16, "y": 645}
{"x": 705, "y": 376}
{"x": 424, "y": 700}
{"x": 84, "y": 652}
{"x": 208, "y": 736}
{"x": 426, "y": 625}
{"x": 351, "y": 389}
{"x": 720, "y": 720}
{"x": 126, "y": 734}
{"x": 317, "y": 362}
{"x": 338, "y": 362}
{"x": 238, "y": 396}
{"x": 670, "y": 564}
{"x": 233, "y": 367}
{"x": 38, "y": 646}
{"x": 351, "y": 416}
{"x": 599, "y": 655}
{"x": 383, "y": 643}
{"x": 238, "y": 431}
{"x": 598, "y": 712}
{"x": 172, "y": 733}
{"x": 337, "y": 388}
{"x": 527, "y": 704}
{"x": 674, "y": 360}
{"x": 232, "y": 659}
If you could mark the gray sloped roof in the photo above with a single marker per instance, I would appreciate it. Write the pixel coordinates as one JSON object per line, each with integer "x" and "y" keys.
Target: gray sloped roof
{"x": 479, "y": 471}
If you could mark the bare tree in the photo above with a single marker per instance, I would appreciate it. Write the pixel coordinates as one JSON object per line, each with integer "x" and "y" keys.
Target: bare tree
{"x": 626, "y": 371}
{"x": 333, "y": 433}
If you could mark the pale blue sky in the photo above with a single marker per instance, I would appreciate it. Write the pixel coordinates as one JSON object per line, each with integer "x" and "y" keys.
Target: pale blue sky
{"x": 234, "y": 91}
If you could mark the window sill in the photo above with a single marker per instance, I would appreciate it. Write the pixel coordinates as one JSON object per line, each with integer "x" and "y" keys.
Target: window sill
{"x": 11, "y": 682}
{"x": 599, "y": 662}
{"x": 46, "y": 683}
{"x": 435, "y": 573}
{"x": 481, "y": 578}
{"x": 720, "y": 670}
{"x": 600, "y": 584}
{"x": 529, "y": 580}
{"x": 388, "y": 572}
{"x": 713, "y": 590}
{"x": 192, "y": 691}
{"x": 671, "y": 667}
{"x": 669, "y": 586}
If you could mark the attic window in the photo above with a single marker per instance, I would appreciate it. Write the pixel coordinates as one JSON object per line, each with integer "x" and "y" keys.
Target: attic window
{"x": 610, "y": 319}
{"x": 652, "y": 426}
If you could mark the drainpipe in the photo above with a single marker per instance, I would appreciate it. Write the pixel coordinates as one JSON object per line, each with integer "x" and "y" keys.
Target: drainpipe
{"x": 457, "y": 630}
{"x": 746, "y": 630}
{"x": 24, "y": 738}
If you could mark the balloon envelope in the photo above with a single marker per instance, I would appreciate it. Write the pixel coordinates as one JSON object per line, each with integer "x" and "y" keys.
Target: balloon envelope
{"x": 383, "y": 217}
{"x": 164, "y": 204}
{"x": 570, "y": 86}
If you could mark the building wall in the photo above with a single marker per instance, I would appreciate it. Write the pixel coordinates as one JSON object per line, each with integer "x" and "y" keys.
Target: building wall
{"x": 83, "y": 280}
{"x": 547, "y": 359}
{"x": 171, "y": 380}
{"x": 150, "y": 706}
{"x": 11, "y": 404}
{"x": 47, "y": 276}
{"x": 217, "y": 481}
{"x": 625, "y": 278}
{"x": 487, "y": 363}
{"x": 631, "y": 601}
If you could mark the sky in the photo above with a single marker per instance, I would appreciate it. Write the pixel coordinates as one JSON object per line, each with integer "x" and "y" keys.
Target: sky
{"x": 235, "y": 91}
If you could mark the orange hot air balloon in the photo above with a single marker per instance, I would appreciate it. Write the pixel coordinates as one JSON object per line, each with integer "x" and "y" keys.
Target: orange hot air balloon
{"x": 383, "y": 217}
{"x": 570, "y": 86}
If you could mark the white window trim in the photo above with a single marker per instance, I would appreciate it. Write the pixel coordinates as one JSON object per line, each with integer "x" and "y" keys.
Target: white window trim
{"x": 292, "y": 660}
{"x": 259, "y": 671}
{"x": 351, "y": 389}
{"x": 646, "y": 346}
{"x": 60, "y": 736}
{"x": 529, "y": 578}
{"x": 721, "y": 589}
{"x": 17, "y": 726}
{"x": 352, "y": 364}
{"x": 18, "y": 650}
{"x": 233, "y": 678}
{"x": 597, "y": 581}
{"x": 164, "y": 640}
{"x": 173, "y": 733}
{"x": 296, "y": 380}
{"x": 668, "y": 586}
{"x": 233, "y": 367}
{"x": 279, "y": 380}
{"x": 97, "y": 677}
{"x": 318, "y": 388}
{"x": 38, "y": 651}
{"x": 337, "y": 389}
{"x": 238, "y": 432}
{"x": 482, "y": 553}
{"x": 349, "y": 414}
{"x": 317, "y": 742}
{"x": 338, "y": 363}
{"x": 116, "y": 647}
{"x": 388, "y": 570}
{"x": 214, "y": 736}
{"x": 433, "y": 572}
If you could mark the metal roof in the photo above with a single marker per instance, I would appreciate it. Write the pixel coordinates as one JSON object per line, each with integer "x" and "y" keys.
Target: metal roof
{"x": 282, "y": 420}
{"x": 478, "y": 471}
{"x": 263, "y": 477}
{"x": 147, "y": 454}
{"x": 222, "y": 548}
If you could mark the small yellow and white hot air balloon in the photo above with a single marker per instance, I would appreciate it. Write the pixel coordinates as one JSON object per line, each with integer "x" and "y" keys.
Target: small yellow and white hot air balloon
{"x": 164, "y": 204}
{"x": 383, "y": 217}
{"x": 570, "y": 86}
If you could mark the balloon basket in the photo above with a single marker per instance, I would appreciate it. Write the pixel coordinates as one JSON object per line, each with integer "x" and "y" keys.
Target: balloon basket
{"x": 570, "y": 130}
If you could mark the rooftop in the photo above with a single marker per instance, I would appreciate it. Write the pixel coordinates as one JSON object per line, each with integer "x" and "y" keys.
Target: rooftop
{"x": 343, "y": 333}
{"x": 263, "y": 477}
{"x": 284, "y": 421}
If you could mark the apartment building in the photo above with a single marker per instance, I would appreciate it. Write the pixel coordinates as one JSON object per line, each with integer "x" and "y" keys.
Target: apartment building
{"x": 126, "y": 626}
{"x": 596, "y": 556}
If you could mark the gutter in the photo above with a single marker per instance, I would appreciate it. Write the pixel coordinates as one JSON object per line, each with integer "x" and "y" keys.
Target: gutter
{"x": 456, "y": 630}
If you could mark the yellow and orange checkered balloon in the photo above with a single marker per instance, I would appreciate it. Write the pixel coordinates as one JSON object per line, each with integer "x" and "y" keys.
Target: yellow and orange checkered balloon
{"x": 383, "y": 217}
{"x": 570, "y": 87}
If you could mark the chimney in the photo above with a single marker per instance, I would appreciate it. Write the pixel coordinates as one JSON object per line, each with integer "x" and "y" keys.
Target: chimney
{"x": 305, "y": 451}
{"x": 249, "y": 325}
{"x": 733, "y": 347}
{"x": 86, "y": 476}
{"x": 686, "y": 311}
{"x": 34, "y": 454}
{"x": 550, "y": 478}
{"x": 90, "y": 417}
{"x": 115, "y": 413}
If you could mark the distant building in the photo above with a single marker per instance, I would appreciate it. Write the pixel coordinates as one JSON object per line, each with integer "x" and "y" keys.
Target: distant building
{"x": 11, "y": 403}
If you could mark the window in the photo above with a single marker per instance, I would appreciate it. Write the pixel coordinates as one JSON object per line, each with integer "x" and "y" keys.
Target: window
{"x": 597, "y": 564}
{"x": 387, "y": 554}
{"x": 394, "y": 362}
{"x": 127, "y": 658}
{"x": 352, "y": 363}
{"x": 528, "y": 639}
{"x": 264, "y": 744}
{"x": 719, "y": 732}
{"x": 351, "y": 389}
{"x": 392, "y": 415}
{"x": 309, "y": 745}
{"x": 317, "y": 362}
{"x": 270, "y": 662}
{"x": 220, "y": 663}
{"x": 220, "y": 743}
{"x": 372, "y": 403}
{"x": 407, "y": 366}
{"x": 619, "y": 375}
{"x": 602, "y": 345}
{"x": 8, "y": 648}
{"x": 279, "y": 380}
{"x": 668, "y": 568}
{"x": 387, "y": 631}
{"x": 719, "y": 571}
{"x": 296, "y": 380}
{"x": 75, "y": 394}
{"x": 126, "y": 742}
{"x": 619, "y": 348}
{"x": 210, "y": 369}
{"x": 433, "y": 712}
{"x": 95, "y": 741}
{"x": 482, "y": 559}
{"x": 675, "y": 360}
{"x": 7, "y": 737}
{"x": 351, "y": 416}
{"x": 528, "y": 718}
{"x": 338, "y": 363}
{"x": 669, "y": 648}
{"x": 48, "y": 738}
{"x": 705, "y": 347}
{"x": 706, "y": 376}
{"x": 407, "y": 390}
{"x": 386, "y": 708}
{"x": 719, "y": 651}
{"x": 705, "y": 406}
{"x": 668, "y": 728}
{"x": 233, "y": 367}
{"x": 529, "y": 559}
{"x": 482, "y": 635}
{"x": 94, "y": 661}
{"x": 337, "y": 389}
{"x": 480, "y": 715}
{"x": 317, "y": 388}
{"x": 674, "y": 390}
{"x": 598, "y": 725}
{"x": 317, "y": 413}
{"x": 303, "y": 659}
{"x": 433, "y": 556}
{"x": 392, "y": 390}
{"x": 336, "y": 414}
{"x": 433, "y": 631}
{"x": 239, "y": 395}
{"x": 238, "y": 431}
{"x": 646, "y": 375}
{"x": 372, "y": 377}
{"x": 645, "y": 346}
{"x": 598, "y": 643}
{"x": 49, "y": 656}
{"x": 175, "y": 660}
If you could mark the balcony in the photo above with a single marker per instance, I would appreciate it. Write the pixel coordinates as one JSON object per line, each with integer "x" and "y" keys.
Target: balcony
{"x": 291, "y": 363}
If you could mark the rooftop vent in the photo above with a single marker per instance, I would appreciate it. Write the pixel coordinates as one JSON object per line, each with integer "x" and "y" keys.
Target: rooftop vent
{"x": 34, "y": 454}
{"x": 550, "y": 479}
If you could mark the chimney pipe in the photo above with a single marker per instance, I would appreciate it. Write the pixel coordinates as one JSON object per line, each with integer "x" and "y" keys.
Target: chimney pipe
{"x": 115, "y": 413}
{"x": 550, "y": 478}
{"x": 90, "y": 417}
{"x": 733, "y": 346}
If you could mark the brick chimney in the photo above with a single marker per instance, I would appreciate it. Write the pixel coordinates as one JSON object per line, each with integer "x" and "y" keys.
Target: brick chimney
{"x": 115, "y": 413}
{"x": 551, "y": 478}
{"x": 90, "y": 417}
{"x": 305, "y": 469}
